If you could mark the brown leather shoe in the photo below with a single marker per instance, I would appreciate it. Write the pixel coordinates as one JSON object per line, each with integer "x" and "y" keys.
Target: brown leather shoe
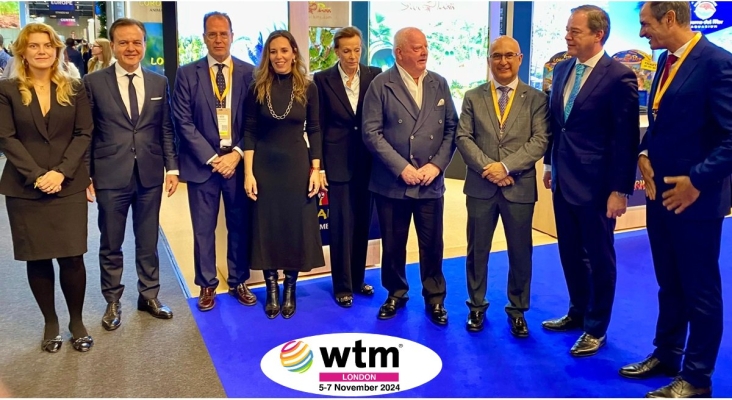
{"x": 207, "y": 299}
{"x": 680, "y": 389}
{"x": 243, "y": 294}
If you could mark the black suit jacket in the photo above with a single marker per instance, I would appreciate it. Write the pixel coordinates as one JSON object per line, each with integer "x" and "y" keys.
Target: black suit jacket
{"x": 344, "y": 152}
{"x": 118, "y": 144}
{"x": 32, "y": 150}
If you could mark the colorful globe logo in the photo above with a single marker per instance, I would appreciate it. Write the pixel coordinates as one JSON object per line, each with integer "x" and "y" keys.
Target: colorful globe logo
{"x": 296, "y": 356}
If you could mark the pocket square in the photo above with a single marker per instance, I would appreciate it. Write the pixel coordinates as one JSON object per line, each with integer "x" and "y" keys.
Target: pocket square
{"x": 156, "y": 98}
{"x": 441, "y": 102}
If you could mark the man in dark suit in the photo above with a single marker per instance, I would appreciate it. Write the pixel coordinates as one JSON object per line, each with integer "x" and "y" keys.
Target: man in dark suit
{"x": 409, "y": 122}
{"x": 133, "y": 145}
{"x": 209, "y": 120}
{"x": 591, "y": 161}
{"x": 686, "y": 161}
{"x": 346, "y": 164}
{"x": 74, "y": 56}
{"x": 503, "y": 132}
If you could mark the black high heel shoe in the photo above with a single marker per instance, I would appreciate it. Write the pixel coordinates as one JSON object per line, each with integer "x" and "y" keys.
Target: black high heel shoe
{"x": 289, "y": 304}
{"x": 82, "y": 344}
{"x": 52, "y": 345}
{"x": 272, "y": 305}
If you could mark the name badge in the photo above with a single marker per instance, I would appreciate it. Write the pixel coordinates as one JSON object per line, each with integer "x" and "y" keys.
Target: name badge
{"x": 223, "y": 116}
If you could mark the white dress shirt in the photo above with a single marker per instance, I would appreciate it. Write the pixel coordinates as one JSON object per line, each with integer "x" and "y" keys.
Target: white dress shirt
{"x": 415, "y": 89}
{"x": 123, "y": 83}
{"x": 353, "y": 90}
{"x": 513, "y": 85}
{"x": 226, "y": 71}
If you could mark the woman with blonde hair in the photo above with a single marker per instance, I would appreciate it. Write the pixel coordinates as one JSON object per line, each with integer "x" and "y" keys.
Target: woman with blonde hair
{"x": 101, "y": 55}
{"x": 45, "y": 132}
{"x": 281, "y": 174}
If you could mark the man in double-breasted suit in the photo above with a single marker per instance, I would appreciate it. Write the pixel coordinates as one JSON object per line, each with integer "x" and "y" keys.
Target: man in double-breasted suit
{"x": 409, "y": 125}
{"x": 503, "y": 132}
{"x": 132, "y": 148}
{"x": 346, "y": 164}
{"x": 209, "y": 121}
{"x": 591, "y": 168}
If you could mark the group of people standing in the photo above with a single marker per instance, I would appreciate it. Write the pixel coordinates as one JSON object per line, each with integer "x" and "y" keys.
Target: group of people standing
{"x": 266, "y": 139}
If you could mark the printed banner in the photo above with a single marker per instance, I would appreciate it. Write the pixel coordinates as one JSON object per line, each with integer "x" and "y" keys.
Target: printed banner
{"x": 329, "y": 14}
{"x": 150, "y": 13}
{"x": 324, "y": 219}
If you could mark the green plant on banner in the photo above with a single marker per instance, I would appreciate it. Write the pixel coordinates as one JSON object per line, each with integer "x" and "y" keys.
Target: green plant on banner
{"x": 190, "y": 48}
{"x": 102, "y": 17}
{"x": 322, "y": 52}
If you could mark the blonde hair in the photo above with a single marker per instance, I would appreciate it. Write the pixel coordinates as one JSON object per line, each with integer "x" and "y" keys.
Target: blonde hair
{"x": 59, "y": 75}
{"x": 264, "y": 74}
{"x": 106, "y": 54}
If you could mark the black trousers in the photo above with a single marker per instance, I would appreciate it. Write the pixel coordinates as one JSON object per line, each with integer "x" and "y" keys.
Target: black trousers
{"x": 350, "y": 205}
{"x": 686, "y": 261}
{"x": 395, "y": 216}
{"x": 586, "y": 242}
{"x": 114, "y": 205}
{"x": 482, "y": 220}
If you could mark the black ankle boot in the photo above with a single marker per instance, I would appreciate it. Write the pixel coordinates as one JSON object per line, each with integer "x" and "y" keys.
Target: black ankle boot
{"x": 272, "y": 306}
{"x": 288, "y": 294}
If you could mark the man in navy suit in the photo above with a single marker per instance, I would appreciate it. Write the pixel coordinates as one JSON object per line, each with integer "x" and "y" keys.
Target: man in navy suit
{"x": 590, "y": 165}
{"x": 208, "y": 114}
{"x": 686, "y": 162}
{"x": 132, "y": 154}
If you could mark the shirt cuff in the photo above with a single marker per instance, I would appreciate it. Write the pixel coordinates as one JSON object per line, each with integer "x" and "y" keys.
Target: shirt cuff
{"x": 238, "y": 150}
{"x": 643, "y": 153}
{"x": 211, "y": 159}
{"x": 505, "y": 167}
{"x": 173, "y": 172}
{"x": 547, "y": 168}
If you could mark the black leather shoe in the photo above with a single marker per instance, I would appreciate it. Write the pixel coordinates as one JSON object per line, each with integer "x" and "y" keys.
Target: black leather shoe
{"x": 518, "y": 326}
{"x": 272, "y": 304}
{"x": 243, "y": 295}
{"x": 52, "y": 345}
{"x": 475, "y": 321}
{"x": 389, "y": 308}
{"x": 563, "y": 324}
{"x": 289, "y": 304}
{"x": 680, "y": 389}
{"x": 82, "y": 344}
{"x": 437, "y": 313}
{"x": 587, "y": 345}
{"x": 344, "y": 301}
{"x": 366, "y": 289}
{"x": 155, "y": 308}
{"x": 112, "y": 317}
{"x": 647, "y": 368}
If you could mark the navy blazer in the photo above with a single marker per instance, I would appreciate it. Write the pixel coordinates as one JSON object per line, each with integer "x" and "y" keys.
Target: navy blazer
{"x": 117, "y": 144}
{"x": 399, "y": 133}
{"x": 595, "y": 151}
{"x": 692, "y": 133}
{"x": 194, "y": 111}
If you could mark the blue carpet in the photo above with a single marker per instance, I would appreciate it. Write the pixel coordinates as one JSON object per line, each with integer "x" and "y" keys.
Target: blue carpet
{"x": 491, "y": 363}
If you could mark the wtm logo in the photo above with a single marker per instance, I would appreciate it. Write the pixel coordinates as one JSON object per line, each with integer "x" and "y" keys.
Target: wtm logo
{"x": 351, "y": 364}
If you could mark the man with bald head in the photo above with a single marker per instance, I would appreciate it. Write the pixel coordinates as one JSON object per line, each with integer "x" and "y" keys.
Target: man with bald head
{"x": 409, "y": 122}
{"x": 502, "y": 133}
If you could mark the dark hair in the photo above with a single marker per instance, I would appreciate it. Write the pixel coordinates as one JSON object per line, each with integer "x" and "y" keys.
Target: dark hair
{"x": 126, "y": 22}
{"x": 1, "y": 40}
{"x": 682, "y": 9}
{"x": 264, "y": 73}
{"x": 216, "y": 14}
{"x": 597, "y": 20}
{"x": 70, "y": 42}
{"x": 346, "y": 33}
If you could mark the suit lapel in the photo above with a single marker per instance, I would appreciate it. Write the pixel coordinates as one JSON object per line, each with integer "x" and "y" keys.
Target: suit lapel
{"x": 654, "y": 88}
{"x": 204, "y": 79}
{"x": 147, "y": 81}
{"x": 683, "y": 73}
{"x": 336, "y": 84}
{"x": 238, "y": 88}
{"x": 558, "y": 92}
{"x": 591, "y": 83}
{"x": 54, "y": 112}
{"x": 35, "y": 108}
{"x": 429, "y": 95}
{"x": 518, "y": 104}
{"x": 365, "y": 79}
{"x": 401, "y": 93}
{"x": 488, "y": 99}
{"x": 114, "y": 91}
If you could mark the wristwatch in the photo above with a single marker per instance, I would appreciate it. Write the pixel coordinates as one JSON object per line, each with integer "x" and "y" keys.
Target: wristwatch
{"x": 627, "y": 196}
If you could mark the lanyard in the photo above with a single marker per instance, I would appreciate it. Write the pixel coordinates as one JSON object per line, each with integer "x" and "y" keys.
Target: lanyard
{"x": 502, "y": 118}
{"x": 673, "y": 71}
{"x": 221, "y": 96}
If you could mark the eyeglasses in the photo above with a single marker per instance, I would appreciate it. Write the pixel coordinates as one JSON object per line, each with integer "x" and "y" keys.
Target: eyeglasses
{"x": 214, "y": 36}
{"x": 507, "y": 56}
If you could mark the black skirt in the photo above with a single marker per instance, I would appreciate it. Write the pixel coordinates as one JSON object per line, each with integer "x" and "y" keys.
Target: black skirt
{"x": 49, "y": 227}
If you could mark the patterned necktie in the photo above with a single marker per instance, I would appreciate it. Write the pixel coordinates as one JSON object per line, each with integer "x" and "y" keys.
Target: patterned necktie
{"x": 670, "y": 60}
{"x": 578, "y": 74}
{"x": 221, "y": 84}
{"x": 503, "y": 100}
{"x": 134, "y": 110}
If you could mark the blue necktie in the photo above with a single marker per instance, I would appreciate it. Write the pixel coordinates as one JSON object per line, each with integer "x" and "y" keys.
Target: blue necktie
{"x": 578, "y": 73}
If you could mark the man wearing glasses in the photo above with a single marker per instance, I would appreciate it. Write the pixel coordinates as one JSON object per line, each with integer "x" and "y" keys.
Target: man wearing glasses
{"x": 209, "y": 118}
{"x": 502, "y": 133}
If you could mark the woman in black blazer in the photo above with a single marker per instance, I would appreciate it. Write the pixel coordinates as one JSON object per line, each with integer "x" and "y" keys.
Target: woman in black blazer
{"x": 346, "y": 164}
{"x": 45, "y": 132}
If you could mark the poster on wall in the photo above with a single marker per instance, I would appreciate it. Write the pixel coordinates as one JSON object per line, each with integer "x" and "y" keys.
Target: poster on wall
{"x": 324, "y": 19}
{"x": 150, "y": 13}
{"x": 644, "y": 68}
{"x": 9, "y": 15}
{"x": 549, "y": 69}
{"x": 457, "y": 38}
{"x": 713, "y": 19}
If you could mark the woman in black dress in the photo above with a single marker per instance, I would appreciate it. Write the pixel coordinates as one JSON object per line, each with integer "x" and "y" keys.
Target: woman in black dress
{"x": 45, "y": 132}
{"x": 281, "y": 170}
